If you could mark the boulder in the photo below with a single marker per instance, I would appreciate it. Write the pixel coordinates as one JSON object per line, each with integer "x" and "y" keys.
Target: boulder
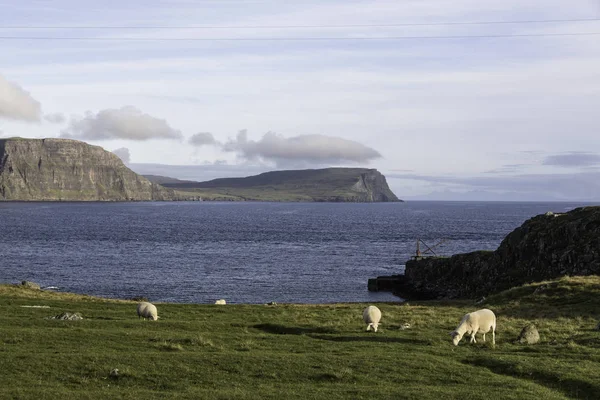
{"x": 31, "y": 285}
{"x": 529, "y": 335}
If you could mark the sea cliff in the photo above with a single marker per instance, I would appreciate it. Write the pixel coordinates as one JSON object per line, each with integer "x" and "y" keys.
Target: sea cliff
{"x": 69, "y": 170}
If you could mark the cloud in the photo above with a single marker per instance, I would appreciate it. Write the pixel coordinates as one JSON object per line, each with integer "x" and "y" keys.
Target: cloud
{"x": 582, "y": 186}
{"x": 123, "y": 154}
{"x": 507, "y": 169}
{"x": 123, "y": 123}
{"x": 300, "y": 150}
{"x": 202, "y": 139}
{"x": 17, "y": 104}
{"x": 573, "y": 159}
{"x": 56, "y": 118}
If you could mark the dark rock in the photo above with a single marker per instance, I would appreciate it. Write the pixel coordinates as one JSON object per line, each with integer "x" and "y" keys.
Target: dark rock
{"x": 30, "y": 285}
{"x": 64, "y": 169}
{"x": 543, "y": 248}
{"x": 529, "y": 335}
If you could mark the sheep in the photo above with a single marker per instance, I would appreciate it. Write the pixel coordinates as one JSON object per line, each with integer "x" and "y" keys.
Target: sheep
{"x": 221, "y": 301}
{"x": 147, "y": 310}
{"x": 472, "y": 323}
{"x": 372, "y": 316}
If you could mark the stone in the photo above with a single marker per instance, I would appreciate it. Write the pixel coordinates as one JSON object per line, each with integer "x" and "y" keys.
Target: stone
{"x": 405, "y": 326}
{"x": 114, "y": 373}
{"x": 31, "y": 285}
{"x": 271, "y": 303}
{"x": 529, "y": 335}
{"x": 67, "y": 316}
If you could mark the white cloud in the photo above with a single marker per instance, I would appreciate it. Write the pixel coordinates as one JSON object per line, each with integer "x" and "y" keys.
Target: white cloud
{"x": 123, "y": 123}
{"x": 18, "y": 104}
{"x": 123, "y": 154}
{"x": 313, "y": 150}
{"x": 56, "y": 118}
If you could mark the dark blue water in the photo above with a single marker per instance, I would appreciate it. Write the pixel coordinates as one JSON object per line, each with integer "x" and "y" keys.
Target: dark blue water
{"x": 243, "y": 252}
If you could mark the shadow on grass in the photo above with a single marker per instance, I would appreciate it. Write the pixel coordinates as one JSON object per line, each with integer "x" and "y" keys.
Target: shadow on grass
{"x": 369, "y": 338}
{"x": 575, "y": 388}
{"x": 291, "y": 330}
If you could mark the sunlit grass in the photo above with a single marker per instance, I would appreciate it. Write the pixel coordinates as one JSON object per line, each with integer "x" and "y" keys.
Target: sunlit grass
{"x": 300, "y": 351}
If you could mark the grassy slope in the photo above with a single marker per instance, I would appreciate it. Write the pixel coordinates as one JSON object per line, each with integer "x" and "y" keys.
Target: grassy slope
{"x": 299, "y": 351}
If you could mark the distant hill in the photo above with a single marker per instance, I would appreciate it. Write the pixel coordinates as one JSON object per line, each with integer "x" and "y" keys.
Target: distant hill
{"x": 329, "y": 184}
{"x": 69, "y": 170}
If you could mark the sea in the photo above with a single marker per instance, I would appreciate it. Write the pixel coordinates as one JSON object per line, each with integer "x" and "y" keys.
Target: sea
{"x": 243, "y": 252}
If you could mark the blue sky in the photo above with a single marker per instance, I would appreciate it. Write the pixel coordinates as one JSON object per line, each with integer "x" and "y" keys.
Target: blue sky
{"x": 507, "y": 118}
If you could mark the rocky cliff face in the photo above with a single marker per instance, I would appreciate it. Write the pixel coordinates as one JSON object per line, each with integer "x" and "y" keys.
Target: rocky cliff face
{"x": 372, "y": 187}
{"x": 545, "y": 247}
{"x": 63, "y": 169}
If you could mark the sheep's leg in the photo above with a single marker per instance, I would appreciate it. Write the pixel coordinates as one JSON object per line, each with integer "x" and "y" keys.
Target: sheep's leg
{"x": 494, "y": 336}
{"x": 369, "y": 327}
{"x": 484, "y": 337}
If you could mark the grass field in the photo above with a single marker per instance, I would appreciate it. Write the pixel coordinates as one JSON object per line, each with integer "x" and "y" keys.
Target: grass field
{"x": 299, "y": 351}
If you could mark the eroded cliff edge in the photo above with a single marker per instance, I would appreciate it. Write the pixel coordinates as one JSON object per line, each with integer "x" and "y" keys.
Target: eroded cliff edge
{"x": 69, "y": 170}
{"x": 545, "y": 247}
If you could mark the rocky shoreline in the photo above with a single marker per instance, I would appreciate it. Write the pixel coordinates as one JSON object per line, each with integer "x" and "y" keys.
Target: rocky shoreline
{"x": 547, "y": 246}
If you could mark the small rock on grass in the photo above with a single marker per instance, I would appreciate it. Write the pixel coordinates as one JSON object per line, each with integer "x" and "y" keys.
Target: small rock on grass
{"x": 529, "y": 335}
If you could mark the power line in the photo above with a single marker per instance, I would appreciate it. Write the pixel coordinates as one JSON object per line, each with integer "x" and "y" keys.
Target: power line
{"x": 542, "y": 21}
{"x": 131, "y": 39}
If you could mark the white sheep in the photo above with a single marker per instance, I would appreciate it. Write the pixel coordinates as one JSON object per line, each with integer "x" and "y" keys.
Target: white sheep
{"x": 372, "y": 316}
{"x": 147, "y": 310}
{"x": 221, "y": 301}
{"x": 481, "y": 321}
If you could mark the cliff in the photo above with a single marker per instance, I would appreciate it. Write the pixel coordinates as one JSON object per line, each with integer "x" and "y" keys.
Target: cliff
{"x": 69, "y": 170}
{"x": 545, "y": 247}
{"x": 329, "y": 184}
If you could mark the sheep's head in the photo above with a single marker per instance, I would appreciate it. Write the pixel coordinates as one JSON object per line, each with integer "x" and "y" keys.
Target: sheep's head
{"x": 455, "y": 337}
{"x": 154, "y": 317}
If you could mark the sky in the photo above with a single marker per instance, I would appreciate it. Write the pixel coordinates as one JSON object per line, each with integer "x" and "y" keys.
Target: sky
{"x": 266, "y": 84}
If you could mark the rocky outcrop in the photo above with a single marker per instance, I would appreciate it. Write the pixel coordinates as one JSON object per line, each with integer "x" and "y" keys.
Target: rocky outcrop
{"x": 69, "y": 170}
{"x": 545, "y": 247}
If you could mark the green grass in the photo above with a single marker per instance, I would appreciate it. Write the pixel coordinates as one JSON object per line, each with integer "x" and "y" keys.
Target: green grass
{"x": 299, "y": 351}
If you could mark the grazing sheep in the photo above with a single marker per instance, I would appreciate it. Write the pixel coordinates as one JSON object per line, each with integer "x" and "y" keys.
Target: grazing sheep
{"x": 147, "y": 311}
{"x": 372, "y": 316}
{"x": 472, "y": 323}
{"x": 221, "y": 301}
